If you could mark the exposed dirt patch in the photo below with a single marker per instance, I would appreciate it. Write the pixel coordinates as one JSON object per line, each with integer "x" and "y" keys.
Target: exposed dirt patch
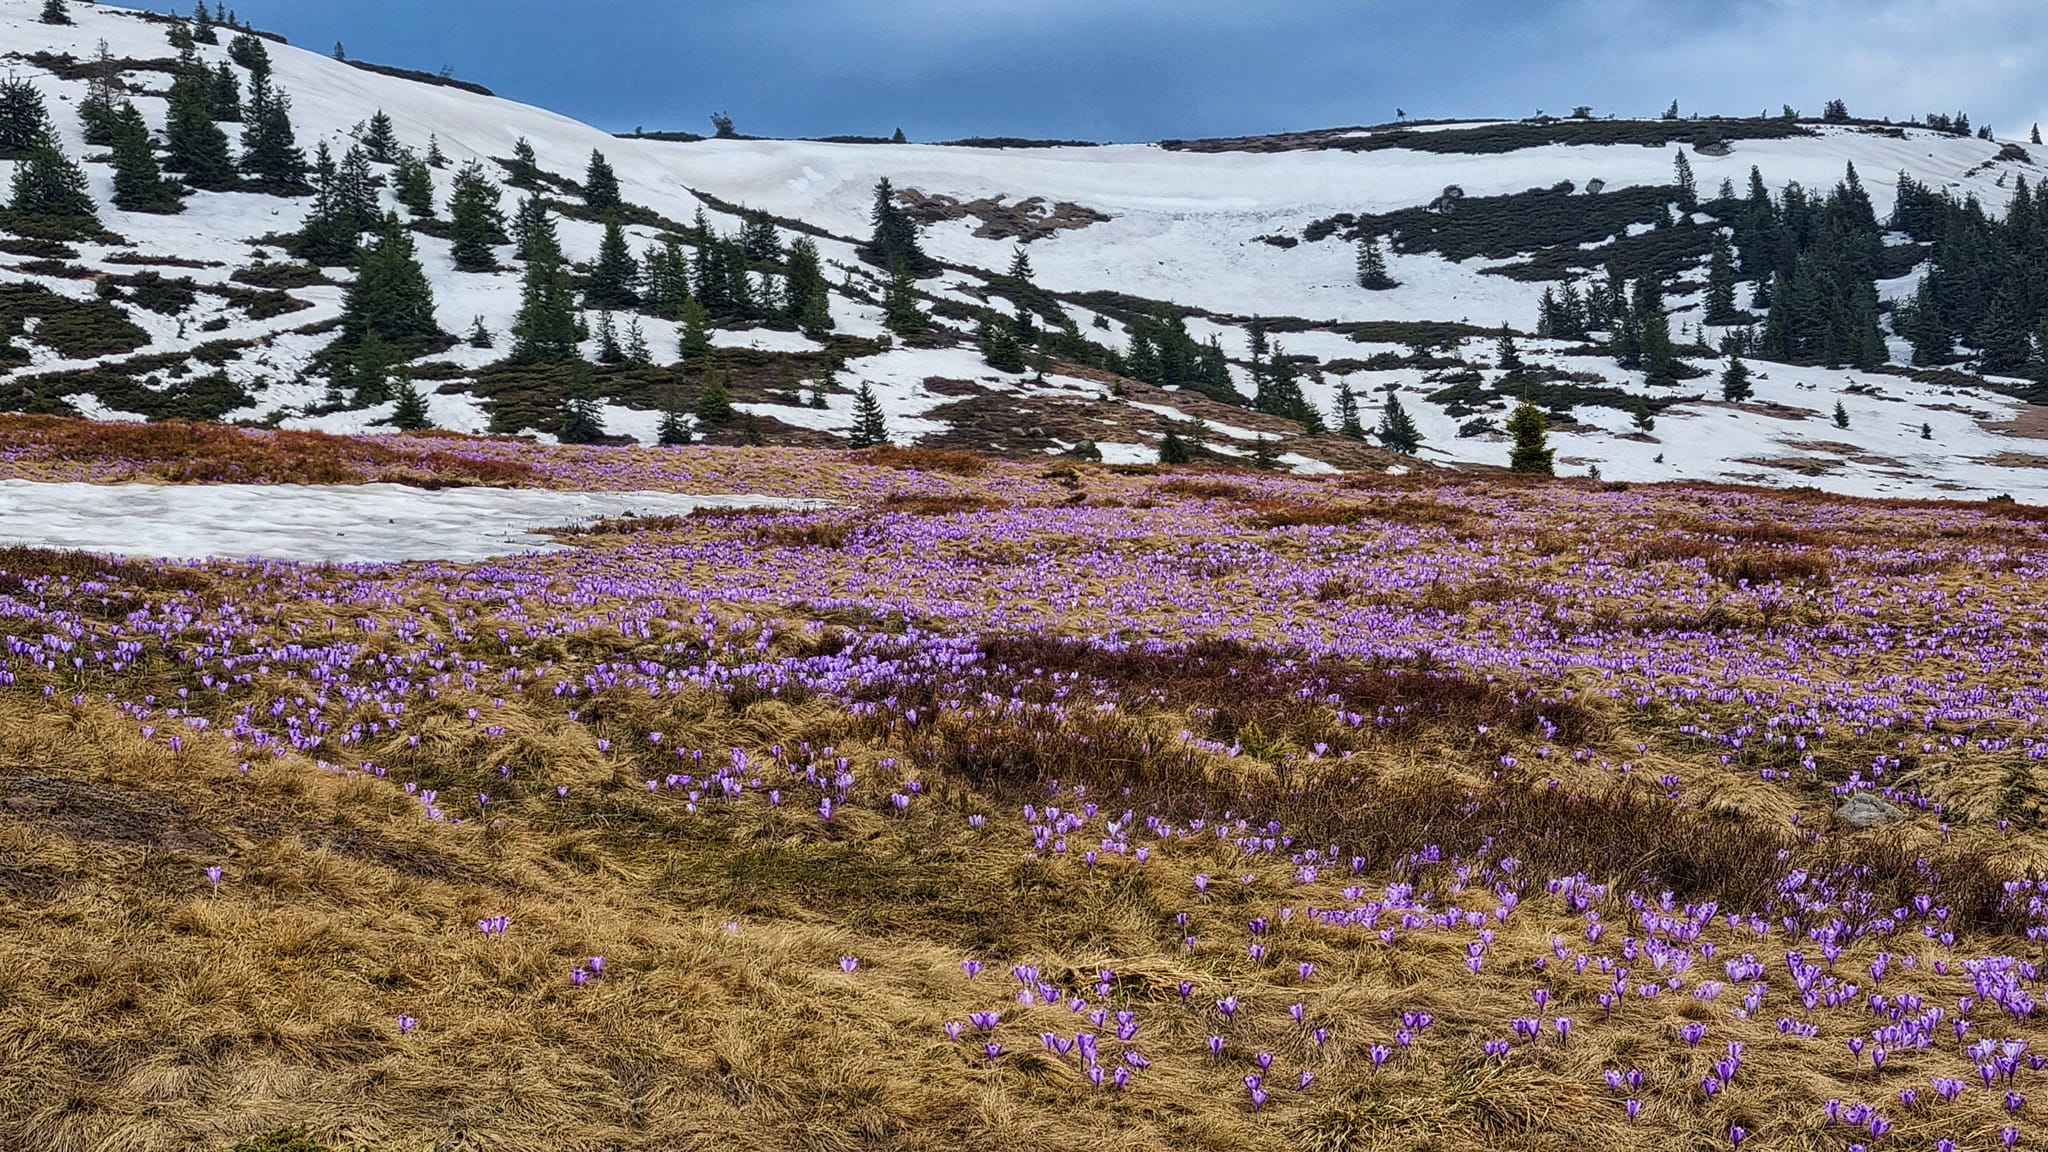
{"x": 104, "y": 814}
{"x": 1803, "y": 465}
{"x": 1026, "y": 220}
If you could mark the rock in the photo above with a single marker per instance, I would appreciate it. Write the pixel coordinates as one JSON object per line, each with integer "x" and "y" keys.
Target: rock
{"x": 1864, "y": 810}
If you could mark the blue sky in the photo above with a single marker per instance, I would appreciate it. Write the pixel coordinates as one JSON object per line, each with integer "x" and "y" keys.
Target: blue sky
{"x": 1140, "y": 70}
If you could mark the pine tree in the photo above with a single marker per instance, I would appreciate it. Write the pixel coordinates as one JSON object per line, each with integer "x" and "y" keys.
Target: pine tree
{"x": 56, "y": 12}
{"x": 478, "y": 226}
{"x": 1735, "y": 380}
{"x": 901, "y": 312}
{"x": 1347, "y": 412}
{"x": 1397, "y": 431}
{"x": 545, "y": 331}
{"x": 1720, "y": 301}
{"x": 524, "y": 169}
{"x": 270, "y": 148}
{"x": 139, "y": 185}
{"x": 197, "y": 147}
{"x": 870, "y": 430}
{"x": 694, "y": 343}
{"x": 411, "y": 415}
{"x": 24, "y": 121}
{"x": 601, "y": 185}
{"x": 380, "y": 139}
{"x": 714, "y": 401}
{"x": 1531, "y": 452}
{"x": 1372, "y": 266}
{"x": 390, "y": 297}
{"x": 50, "y": 186}
{"x": 613, "y": 277}
{"x": 414, "y": 183}
{"x": 1841, "y": 415}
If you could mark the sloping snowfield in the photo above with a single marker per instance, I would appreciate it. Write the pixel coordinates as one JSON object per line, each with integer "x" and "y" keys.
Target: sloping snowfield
{"x": 327, "y": 524}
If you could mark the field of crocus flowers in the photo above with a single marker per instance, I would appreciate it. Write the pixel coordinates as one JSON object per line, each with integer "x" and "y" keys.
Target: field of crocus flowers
{"x": 1027, "y": 805}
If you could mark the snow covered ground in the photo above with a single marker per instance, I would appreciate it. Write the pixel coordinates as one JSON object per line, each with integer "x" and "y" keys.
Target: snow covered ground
{"x": 327, "y": 524}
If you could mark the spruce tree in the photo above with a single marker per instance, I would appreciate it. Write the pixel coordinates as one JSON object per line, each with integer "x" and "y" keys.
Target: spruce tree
{"x": 1688, "y": 184}
{"x": 901, "y": 312}
{"x": 49, "y": 186}
{"x": 1397, "y": 431}
{"x": 478, "y": 226}
{"x": 480, "y": 336}
{"x": 1652, "y": 331}
{"x": 248, "y": 51}
{"x": 694, "y": 343}
{"x": 390, "y": 297}
{"x": 330, "y": 236}
{"x": 411, "y": 414}
{"x": 2036, "y": 137}
{"x": 99, "y": 110}
{"x": 545, "y": 331}
{"x": 196, "y": 147}
{"x": 894, "y": 244}
{"x": 435, "y": 157}
{"x": 414, "y": 183}
{"x": 806, "y": 297}
{"x": 714, "y": 400}
{"x": 870, "y": 429}
{"x": 609, "y": 350}
{"x": 1507, "y": 356}
{"x": 582, "y": 419}
{"x": 533, "y": 229}
{"x": 613, "y": 277}
{"x": 24, "y": 121}
{"x": 1347, "y": 412}
{"x": 1263, "y": 458}
{"x": 56, "y": 12}
{"x": 1720, "y": 301}
{"x": 139, "y": 184}
{"x": 1735, "y": 386}
{"x": 202, "y": 24}
{"x": 673, "y": 431}
{"x": 1841, "y": 415}
{"x": 1531, "y": 452}
{"x": 601, "y": 185}
{"x": 380, "y": 139}
{"x": 637, "y": 351}
{"x": 227, "y": 94}
{"x": 524, "y": 169}
{"x": 1372, "y": 266}
{"x": 270, "y": 148}
{"x": 1173, "y": 450}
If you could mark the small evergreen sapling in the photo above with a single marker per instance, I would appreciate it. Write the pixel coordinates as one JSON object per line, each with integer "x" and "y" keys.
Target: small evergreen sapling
{"x": 1173, "y": 449}
{"x": 1841, "y": 415}
{"x": 1347, "y": 412}
{"x": 56, "y": 12}
{"x": 1397, "y": 431}
{"x": 1531, "y": 452}
{"x": 1735, "y": 386}
{"x": 1372, "y": 266}
{"x": 411, "y": 413}
{"x": 714, "y": 401}
{"x": 601, "y": 185}
{"x": 1262, "y": 454}
{"x": 870, "y": 429}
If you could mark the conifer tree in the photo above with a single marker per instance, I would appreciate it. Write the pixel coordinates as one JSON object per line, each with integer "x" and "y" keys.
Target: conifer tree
{"x": 901, "y": 312}
{"x": 2036, "y": 137}
{"x": 637, "y": 351}
{"x": 1645, "y": 419}
{"x": 1397, "y": 431}
{"x": 613, "y": 277}
{"x": 609, "y": 350}
{"x": 894, "y": 244}
{"x": 806, "y": 297}
{"x": 1262, "y": 454}
{"x": 601, "y": 185}
{"x": 48, "y": 185}
{"x": 56, "y": 12}
{"x": 227, "y": 94}
{"x": 545, "y": 330}
{"x": 411, "y": 414}
{"x": 870, "y": 429}
{"x": 524, "y": 169}
{"x": 24, "y": 121}
{"x": 435, "y": 157}
{"x": 533, "y": 229}
{"x": 197, "y": 147}
{"x": 139, "y": 184}
{"x": 202, "y": 24}
{"x": 582, "y": 420}
{"x": 1720, "y": 301}
{"x": 1688, "y": 184}
{"x": 380, "y": 139}
{"x": 673, "y": 431}
{"x": 270, "y": 148}
{"x": 999, "y": 349}
{"x": 480, "y": 336}
{"x": 1652, "y": 330}
{"x": 414, "y": 183}
{"x": 478, "y": 226}
{"x": 248, "y": 51}
{"x": 390, "y": 297}
{"x": 331, "y": 235}
{"x": 1735, "y": 380}
{"x": 1507, "y": 356}
{"x": 694, "y": 343}
{"x": 99, "y": 110}
{"x": 1372, "y": 266}
{"x": 1841, "y": 415}
{"x": 1174, "y": 450}
{"x": 714, "y": 401}
{"x": 1531, "y": 452}
{"x": 1347, "y": 412}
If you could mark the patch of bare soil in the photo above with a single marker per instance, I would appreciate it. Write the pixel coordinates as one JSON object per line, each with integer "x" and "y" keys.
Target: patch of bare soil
{"x": 1026, "y": 220}
{"x": 1803, "y": 465}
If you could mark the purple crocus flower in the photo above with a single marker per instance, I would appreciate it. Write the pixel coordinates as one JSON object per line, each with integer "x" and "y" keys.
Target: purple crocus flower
{"x": 406, "y": 1024}
{"x": 213, "y": 875}
{"x": 848, "y": 963}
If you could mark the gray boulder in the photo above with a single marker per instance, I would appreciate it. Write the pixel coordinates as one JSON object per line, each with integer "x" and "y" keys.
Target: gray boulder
{"x": 1865, "y": 810}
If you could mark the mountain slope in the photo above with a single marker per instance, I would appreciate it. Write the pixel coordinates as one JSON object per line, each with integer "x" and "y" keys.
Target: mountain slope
{"x": 1225, "y": 231}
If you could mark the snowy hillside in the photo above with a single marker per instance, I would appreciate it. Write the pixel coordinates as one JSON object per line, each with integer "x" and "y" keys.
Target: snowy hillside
{"x": 1223, "y": 232}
